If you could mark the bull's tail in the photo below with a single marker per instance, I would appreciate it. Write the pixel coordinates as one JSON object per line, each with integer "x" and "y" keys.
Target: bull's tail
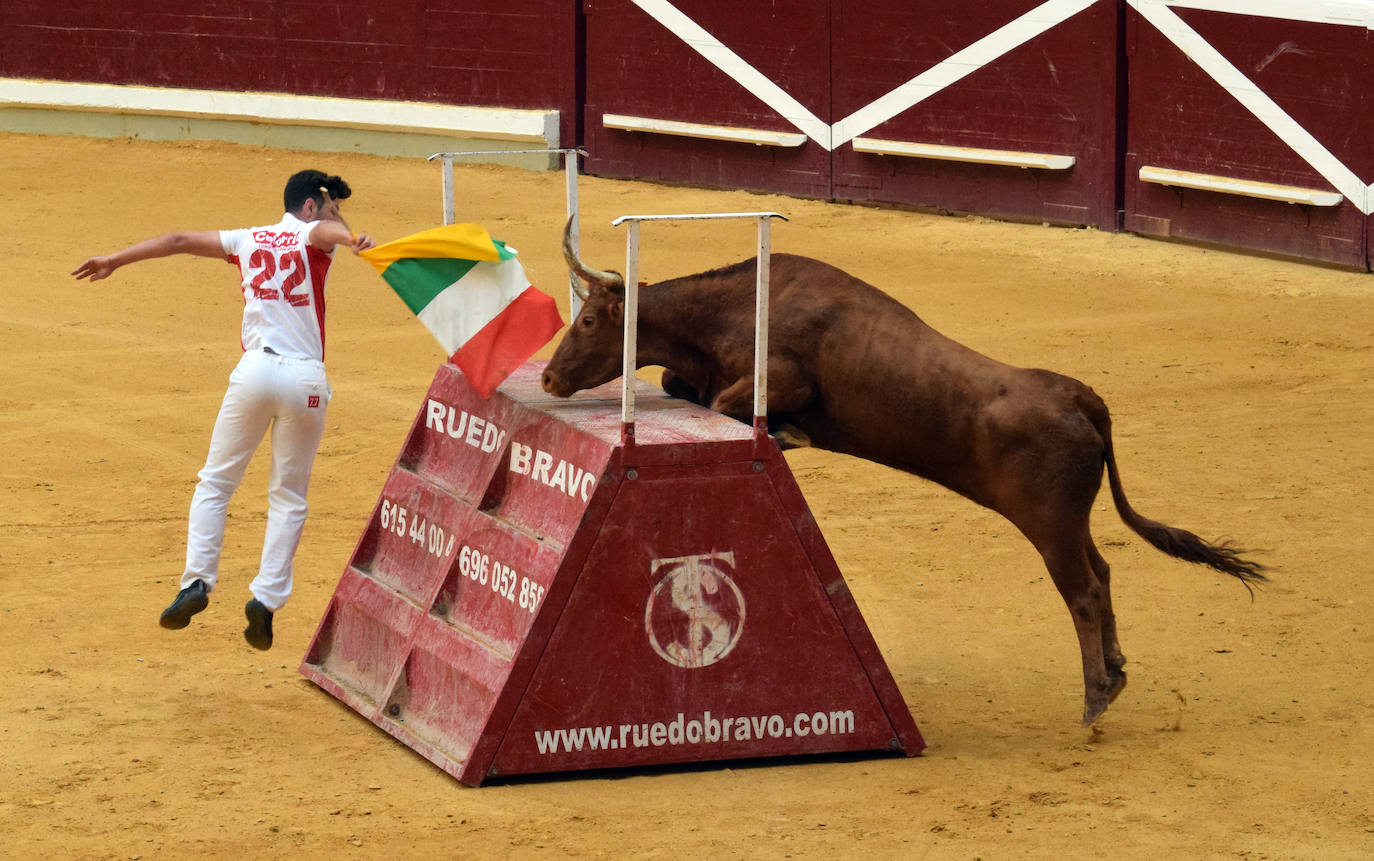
{"x": 1179, "y": 543}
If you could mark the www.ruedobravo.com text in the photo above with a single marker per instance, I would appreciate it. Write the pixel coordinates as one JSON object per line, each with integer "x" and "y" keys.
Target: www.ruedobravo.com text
{"x": 706, "y": 729}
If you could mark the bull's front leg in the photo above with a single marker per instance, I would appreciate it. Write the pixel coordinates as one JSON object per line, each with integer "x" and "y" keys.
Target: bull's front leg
{"x": 788, "y": 392}
{"x": 737, "y": 400}
{"x": 677, "y": 386}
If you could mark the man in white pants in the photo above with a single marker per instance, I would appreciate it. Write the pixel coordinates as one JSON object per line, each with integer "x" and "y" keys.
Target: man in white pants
{"x": 279, "y": 384}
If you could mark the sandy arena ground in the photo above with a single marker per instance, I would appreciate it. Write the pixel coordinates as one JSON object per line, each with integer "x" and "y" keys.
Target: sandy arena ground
{"x": 1242, "y": 396}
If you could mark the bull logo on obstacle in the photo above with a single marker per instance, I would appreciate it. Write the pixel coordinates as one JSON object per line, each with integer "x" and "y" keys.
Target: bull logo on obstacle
{"x": 695, "y": 612}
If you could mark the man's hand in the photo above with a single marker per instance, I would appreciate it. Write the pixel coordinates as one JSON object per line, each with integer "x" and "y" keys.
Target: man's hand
{"x": 329, "y": 234}
{"x": 95, "y": 268}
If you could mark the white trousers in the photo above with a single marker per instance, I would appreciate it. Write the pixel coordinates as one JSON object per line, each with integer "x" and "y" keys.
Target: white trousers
{"x": 289, "y": 396}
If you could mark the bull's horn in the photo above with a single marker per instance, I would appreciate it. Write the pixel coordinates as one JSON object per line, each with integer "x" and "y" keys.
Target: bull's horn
{"x": 610, "y": 280}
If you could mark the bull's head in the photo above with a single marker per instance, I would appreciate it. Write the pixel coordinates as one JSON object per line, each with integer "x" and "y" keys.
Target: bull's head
{"x": 592, "y": 351}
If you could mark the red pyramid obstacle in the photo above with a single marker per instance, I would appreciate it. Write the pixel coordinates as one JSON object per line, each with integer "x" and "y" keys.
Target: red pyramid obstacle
{"x": 533, "y": 593}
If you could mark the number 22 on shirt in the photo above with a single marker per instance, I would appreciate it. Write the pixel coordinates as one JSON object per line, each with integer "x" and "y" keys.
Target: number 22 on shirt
{"x": 266, "y": 268}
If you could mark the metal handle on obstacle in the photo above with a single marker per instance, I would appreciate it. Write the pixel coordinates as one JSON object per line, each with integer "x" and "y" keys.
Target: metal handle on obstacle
{"x": 761, "y": 273}
{"x": 569, "y": 154}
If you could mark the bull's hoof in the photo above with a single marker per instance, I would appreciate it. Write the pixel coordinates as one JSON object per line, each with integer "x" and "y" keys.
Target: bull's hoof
{"x": 676, "y": 387}
{"x": 791, "y": 436}
{"x": 1118, "y": 680}
{"x": 1096, "y": 701}
{"x": 1094, "y": 710}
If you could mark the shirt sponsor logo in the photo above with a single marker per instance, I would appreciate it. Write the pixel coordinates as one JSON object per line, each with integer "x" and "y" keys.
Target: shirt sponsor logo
{"x": 272, "y": 239}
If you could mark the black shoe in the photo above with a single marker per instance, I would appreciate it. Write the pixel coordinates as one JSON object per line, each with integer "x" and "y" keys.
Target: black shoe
{"x": 189, "y": 602}
{"x": 259, "y": 630}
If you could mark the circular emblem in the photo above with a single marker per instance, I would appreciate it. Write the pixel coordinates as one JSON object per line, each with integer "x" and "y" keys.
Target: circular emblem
{"x": 695, "y": 613}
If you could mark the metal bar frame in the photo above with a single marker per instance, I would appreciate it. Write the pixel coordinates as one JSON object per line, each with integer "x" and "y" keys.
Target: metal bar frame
{"x": 570, "y": 172}
{"x": 761, "y": 282}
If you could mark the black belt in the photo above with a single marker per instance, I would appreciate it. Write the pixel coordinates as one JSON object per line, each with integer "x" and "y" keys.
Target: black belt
{"x": 271, "y": 352}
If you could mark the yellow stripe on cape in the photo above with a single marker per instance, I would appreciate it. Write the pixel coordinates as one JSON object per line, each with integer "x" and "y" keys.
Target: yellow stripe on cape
{"x": 456, "y": 241}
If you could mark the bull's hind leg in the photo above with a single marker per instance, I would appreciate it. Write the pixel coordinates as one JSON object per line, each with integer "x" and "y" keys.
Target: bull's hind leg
{"x": 1111, "y": 646}
{"x": 1068, "y": 561}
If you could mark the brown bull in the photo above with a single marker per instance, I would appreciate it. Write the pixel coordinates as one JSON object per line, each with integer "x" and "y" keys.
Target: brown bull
{"x": 856, "y": 372}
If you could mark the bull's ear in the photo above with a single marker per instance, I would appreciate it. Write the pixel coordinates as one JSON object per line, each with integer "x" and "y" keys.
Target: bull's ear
{"x": 614, "y": 289}
{"x": 617, "y": 312}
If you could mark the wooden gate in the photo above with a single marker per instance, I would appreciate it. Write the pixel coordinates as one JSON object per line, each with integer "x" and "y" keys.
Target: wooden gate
{"x": 710, "y": 92}
{"x": 1249, "y": 125}
{"x": 1006, "y": 108}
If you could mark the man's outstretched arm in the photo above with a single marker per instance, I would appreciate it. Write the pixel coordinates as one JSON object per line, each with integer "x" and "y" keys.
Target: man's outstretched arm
{"x": 202, "y": 243}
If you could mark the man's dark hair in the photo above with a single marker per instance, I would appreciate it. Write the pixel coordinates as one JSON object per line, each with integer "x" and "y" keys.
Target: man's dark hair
{"x": 306, "y": 184}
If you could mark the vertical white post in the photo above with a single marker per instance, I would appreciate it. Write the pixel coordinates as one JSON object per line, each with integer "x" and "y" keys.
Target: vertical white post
{"x": 761, "y": 326}
{"x": 448, "y": 189}
{"x": 627, "y": 397}
{"x": 570, "y": 172}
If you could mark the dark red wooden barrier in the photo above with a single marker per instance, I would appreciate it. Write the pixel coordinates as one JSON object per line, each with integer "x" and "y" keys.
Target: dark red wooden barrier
{"x": 657, "y": 108}
{"x": 534, "y": 594}
{"x": 1011, "y": 108}
{"x": 1017, "y": 110}
{"x": 1011, "y": 112}
{"x": 1251, "y": 131}
{"x": 477, "y": 52}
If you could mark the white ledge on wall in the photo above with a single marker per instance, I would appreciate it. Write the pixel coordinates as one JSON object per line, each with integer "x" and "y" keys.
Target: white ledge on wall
{"x": 973, "y": 155}
{"x": 532, "y": 126}
{"x": 697, "y": 130}
{"x": 1244, "y": 187}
